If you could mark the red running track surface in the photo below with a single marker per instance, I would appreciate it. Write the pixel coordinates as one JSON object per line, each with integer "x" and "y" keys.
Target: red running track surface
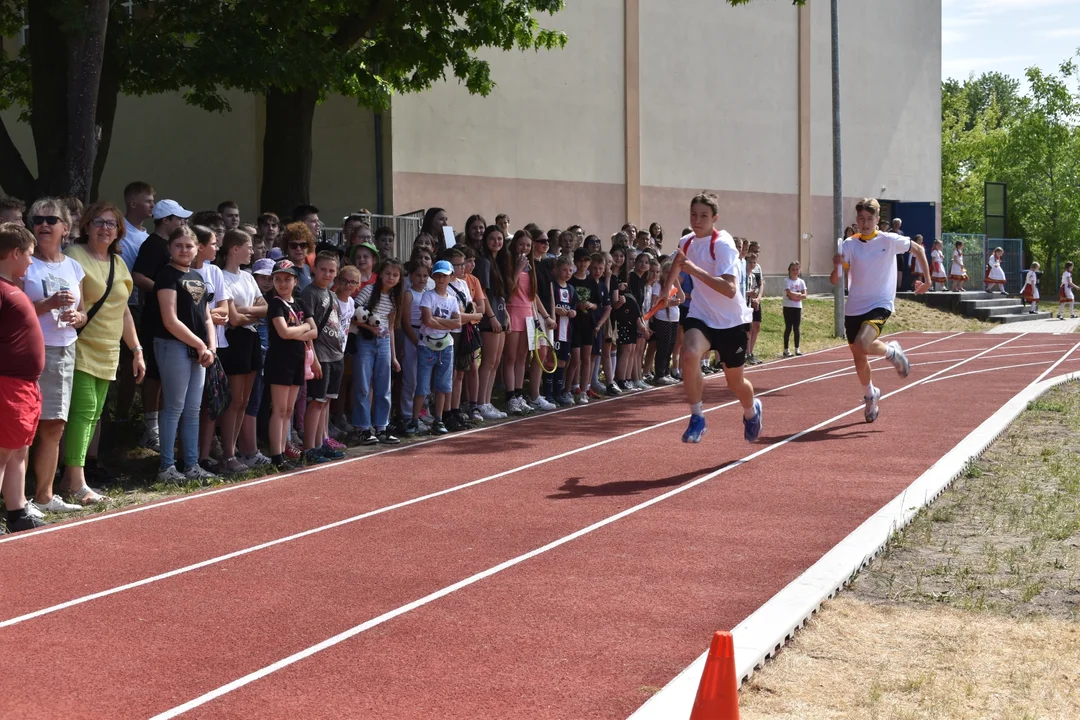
{"x": 524, "y": 579}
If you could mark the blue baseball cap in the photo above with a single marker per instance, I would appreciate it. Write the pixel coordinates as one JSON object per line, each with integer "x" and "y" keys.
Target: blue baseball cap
{"x": 442, "y": 268}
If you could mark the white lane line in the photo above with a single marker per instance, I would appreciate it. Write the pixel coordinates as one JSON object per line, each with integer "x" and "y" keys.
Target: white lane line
{"x": 1060, "y": 360}
{"x": 58, "y": 527}
{"x": 477, "y": 577}
{"x": 371, "y": 513}
{"x": 1003, "y": 367}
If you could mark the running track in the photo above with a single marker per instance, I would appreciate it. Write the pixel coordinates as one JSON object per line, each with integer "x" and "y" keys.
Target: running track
{"x": 560, "y": 566}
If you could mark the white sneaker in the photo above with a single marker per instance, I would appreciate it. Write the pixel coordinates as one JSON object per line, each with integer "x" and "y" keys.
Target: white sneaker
{"x": 544, "y": 404}
{"x": 172, "y": 475}
{"x": 516, "y": 406}
{"x": 255, "y": 460}
{"x": 475, "y": 415}
{"x": 488, "y": 412}
{"x": 668, "y": 380}
{"x": 899, "y": 360}
{"x": 641, "y": 385}
{"x": 581, "y": 399}
{"x": 33, "y": 511}
{"x": 56, "y": 505}
{"x": 870, "y": 412}
{"x": 197, "y": 473}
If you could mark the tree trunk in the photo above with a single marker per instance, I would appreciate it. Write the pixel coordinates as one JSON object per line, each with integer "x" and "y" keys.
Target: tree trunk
{"x": 15, "y": 178}
{"x": 286, "y": 177}
{"x": 108, "y": 95}
{"x": 48, "y": 104}
{"x": 86, "y": 52}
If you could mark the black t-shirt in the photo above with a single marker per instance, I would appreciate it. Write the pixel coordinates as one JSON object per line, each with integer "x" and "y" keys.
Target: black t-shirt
{"x": 636, "y": 287}
{"x": 544, "y": 279}
{"x": 191, "y": 296}
{"x": 321, "y": 304}
{"x": 587, "y": 319}
{"x": 629, "y": 312}
{"x": 281, "y": 350}
{"x": 153, "y": 255}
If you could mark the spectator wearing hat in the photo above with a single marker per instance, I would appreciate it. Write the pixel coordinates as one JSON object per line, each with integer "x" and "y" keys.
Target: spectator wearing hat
{"x": 365, "y": 257}
{"x": 289, "y": 330}
{"x": 439, "y": 316}
{"x": 153, "y": 256}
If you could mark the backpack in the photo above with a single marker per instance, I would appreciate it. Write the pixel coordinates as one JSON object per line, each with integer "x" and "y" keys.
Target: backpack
{"x": 712, "y": 244}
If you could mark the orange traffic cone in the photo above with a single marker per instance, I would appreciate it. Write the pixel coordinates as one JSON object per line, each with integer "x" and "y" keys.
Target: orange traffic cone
{"x": 718, "y": 694}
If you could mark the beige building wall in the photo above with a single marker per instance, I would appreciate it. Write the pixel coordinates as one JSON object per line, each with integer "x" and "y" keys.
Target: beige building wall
{"x": 199, "y": 158}
{"x": 545, "y": 146}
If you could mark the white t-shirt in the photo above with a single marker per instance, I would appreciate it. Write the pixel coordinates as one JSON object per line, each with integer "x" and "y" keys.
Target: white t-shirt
{"x": 715, "y": 310}
{"x": 668, "y": 314}
{"x": 242, "y": 288}
{"x": 441, "y": 307}
{"x": 382, "y": 310}
{"x": 798, "y": 285}
{"x": 129, "y": 250}
{"x": 346, "y": 311}
{"x": 44, "y": 280}
{"x": 872, "y": 267}
{"x": 1066, "y": 283}
{"x": 215, "y": 283}
{"x": 463, "y": 288}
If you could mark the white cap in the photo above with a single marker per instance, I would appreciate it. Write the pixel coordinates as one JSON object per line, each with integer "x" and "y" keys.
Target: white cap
{"x": 165, "y": 208}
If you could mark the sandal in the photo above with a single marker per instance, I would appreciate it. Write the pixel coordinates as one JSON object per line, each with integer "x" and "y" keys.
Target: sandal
{"x": 232, "y": 465}
{"x": 88, "y": 496}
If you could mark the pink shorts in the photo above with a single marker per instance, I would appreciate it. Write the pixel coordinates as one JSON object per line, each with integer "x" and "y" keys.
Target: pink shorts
{"x": 20, "y": 406}
{"x": 518, "y": 313}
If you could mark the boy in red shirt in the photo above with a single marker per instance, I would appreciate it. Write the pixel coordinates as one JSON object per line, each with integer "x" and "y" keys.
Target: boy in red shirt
{"x": 21, "y": 365}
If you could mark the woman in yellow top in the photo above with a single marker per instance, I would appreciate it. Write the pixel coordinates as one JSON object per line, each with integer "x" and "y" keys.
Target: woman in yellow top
{"x": 97, "y": 351}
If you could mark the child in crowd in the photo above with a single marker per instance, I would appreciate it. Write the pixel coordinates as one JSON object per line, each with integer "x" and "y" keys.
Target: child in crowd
{"x": 241, "y": 356}
{"x": 917, "y": 275}
{"x": 411, "y": 323}
{"x": 320, "y": 306}
{"x": 938, "y": 276}
{"x": 586, "y": 293}
{"x": 495, "y": 320}
{"x": 378, "y": 306}
{"x": 995, "y": 275}
{"x": 521, "y": 293}
{"x": 435, "y": 353}
{"x": 289, "y": 330}
{"x": 471, "y": 384}
{"x": 600, "y": 321}
{"x": 466, "y": 340}
{"x": 665, "y": 325}
{"x": 259, "y": 397}
{"x": 794, "y": 294}
{"x": 219, "y": 302}
{"x": 564, "y": 297}
{"x": 754, "y": 291}
{"x": 185, "y": 344}
{"x": 21, "y": 364}
{"x": 1030, "y": 291}
{"x": 344, "y": 287}
{"x": 1065, "y": 294}
{"x": 957, "y": 273}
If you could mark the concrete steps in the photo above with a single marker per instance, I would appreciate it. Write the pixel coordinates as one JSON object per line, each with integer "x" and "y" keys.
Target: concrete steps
{"x": 989, "y": 307}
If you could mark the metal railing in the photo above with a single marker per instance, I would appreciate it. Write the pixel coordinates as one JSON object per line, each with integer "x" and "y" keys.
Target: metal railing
{"x": 406, "y": 227}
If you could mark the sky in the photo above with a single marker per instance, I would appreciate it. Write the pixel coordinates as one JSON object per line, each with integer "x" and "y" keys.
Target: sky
{"x": 1007, "y": 36}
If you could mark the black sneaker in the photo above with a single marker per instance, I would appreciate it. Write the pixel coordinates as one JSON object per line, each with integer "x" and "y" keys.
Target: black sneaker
{"x": 314, "y": 457}
{"x": 438, "y": 428}
{"x": 368, "y": 438}
{"x": 25, "y": 521}
{"x": 412, "y": 428}
{"x": 452, "y": 423}
{"x": 388, "y": 438}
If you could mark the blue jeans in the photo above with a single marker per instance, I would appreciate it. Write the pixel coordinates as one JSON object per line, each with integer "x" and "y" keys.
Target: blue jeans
{"x": 441, "y": 362}
{"x": 371, "y": 372}
{"x": 181, "y": 398}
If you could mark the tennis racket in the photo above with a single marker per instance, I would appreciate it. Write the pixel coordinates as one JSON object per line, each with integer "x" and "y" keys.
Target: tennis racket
{"x": 540, "y": 340}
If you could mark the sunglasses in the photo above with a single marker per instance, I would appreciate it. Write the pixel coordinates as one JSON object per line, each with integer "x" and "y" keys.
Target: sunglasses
{"x": 298, "y": 246}
{"x": 103, "y": 223}
{"x": 44, "y": 219}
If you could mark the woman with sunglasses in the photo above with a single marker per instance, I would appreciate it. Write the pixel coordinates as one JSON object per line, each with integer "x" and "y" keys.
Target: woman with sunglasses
{"x": 53, "y": 282}
{"x": 297, "y": 242}
{"x": 105, "y": 288}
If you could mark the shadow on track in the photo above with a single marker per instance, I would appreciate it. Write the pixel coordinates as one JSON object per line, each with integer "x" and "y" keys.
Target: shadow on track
{"x": 573, "y": 488}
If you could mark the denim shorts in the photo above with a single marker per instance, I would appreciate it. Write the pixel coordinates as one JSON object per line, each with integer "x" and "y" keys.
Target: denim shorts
{"x": 434, "y": 370}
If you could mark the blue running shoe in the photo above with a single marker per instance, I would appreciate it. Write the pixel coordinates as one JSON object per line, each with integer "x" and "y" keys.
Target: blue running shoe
{"x": 695, "y": 430}
{"x": 752, "y": 427}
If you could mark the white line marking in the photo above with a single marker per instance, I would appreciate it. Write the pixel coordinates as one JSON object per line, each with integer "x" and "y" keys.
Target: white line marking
{"x": 995, "y": 369}
{"x": 1060, "y": 360}
{"x": 371, "y": 513}
{"x": 472, "y": 579}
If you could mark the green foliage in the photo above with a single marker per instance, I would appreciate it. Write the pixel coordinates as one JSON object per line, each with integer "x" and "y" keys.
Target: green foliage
{"x": 993, "y": 133}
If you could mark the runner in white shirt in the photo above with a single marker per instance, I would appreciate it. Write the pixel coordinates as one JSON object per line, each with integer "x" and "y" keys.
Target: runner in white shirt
{"x": 1065, "y": 294}
{"x": 719, "y": 318}
{"x": 869, "y": 258}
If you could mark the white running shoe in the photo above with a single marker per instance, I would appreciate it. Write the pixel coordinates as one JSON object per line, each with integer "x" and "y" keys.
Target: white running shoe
{"x": 255, "y": 460}
{"x": 581, "y": 399}
{"x": 544, "y": 404}
{"x": 642, "y": 385}
{"x": 488, "y": 412}
{"x": 899, "y": 360}
{"x": 516, "y": 406}
{"x": 56, "y": 505}
{"x": 33, "y": 511}
{"x": 667, "y": 380}
{"x": 870, "y": 412}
